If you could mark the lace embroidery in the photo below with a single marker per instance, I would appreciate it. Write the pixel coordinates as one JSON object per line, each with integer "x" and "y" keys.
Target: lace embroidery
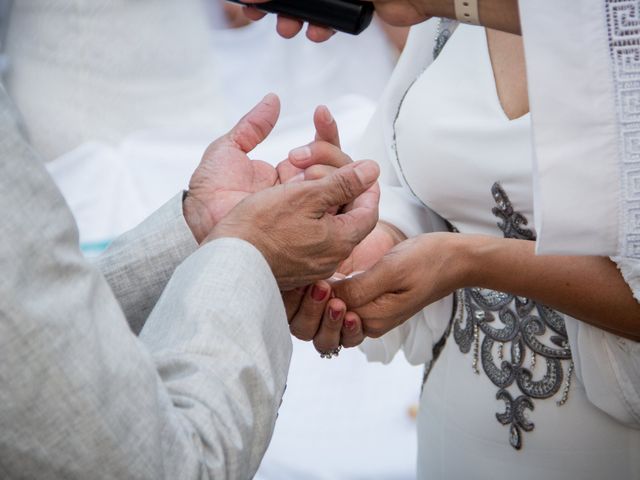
{"x": 623, "y": 22}
{"x": 443, "y": 33}
{"x": 516, "y": 331}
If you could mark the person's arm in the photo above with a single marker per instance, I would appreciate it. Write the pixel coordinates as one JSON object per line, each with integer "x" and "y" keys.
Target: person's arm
{"x": 138, "y": 264}
{"x": 195, "y": 396}
{"x": 591, "y": 289}
{"x": 500, "y": 15}
{"x": 82, "y": 397}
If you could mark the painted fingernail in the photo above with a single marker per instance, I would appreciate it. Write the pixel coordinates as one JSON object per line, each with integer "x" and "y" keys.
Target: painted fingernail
{"x": 326, "y": 115}
{"x": 300, "y": 153}
{"x": 350, "y": 323}
{"x": 318, "y": 293}
{"x": 367, "y": 171}
{"x": 335, "y": 314}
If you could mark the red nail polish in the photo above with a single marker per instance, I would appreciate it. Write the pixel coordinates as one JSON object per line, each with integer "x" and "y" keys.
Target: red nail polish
{"x": 318, "y": 293}
{"x": 335, "y": 314}
{"x": 350, "y": 323}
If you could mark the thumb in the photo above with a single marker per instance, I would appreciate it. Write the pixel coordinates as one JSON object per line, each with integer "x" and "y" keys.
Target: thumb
{"x": 347, "y": 183}
{"x": 365, "y": 287}
{"x": 255, "y": 126}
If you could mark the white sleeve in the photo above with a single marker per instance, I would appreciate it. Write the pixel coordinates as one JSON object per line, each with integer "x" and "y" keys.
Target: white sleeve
{"x": 608, "y": 365}
{"x": 609, "y": 368}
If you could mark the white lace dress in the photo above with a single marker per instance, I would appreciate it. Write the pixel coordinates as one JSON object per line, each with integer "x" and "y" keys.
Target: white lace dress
{"x": 517, "y": 390}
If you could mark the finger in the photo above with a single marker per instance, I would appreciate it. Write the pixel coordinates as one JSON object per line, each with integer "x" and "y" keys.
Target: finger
{"x": 252, "y": 13}
{"x": 328, "y": 337}
{"x": 319, "y": 34}
{"x": 288, "y": 27}
{"x": 306, "y": 321}
{"x": 289, "y": 173}
{"x": 316, "y": 172}
{"x": 264, "y": 175}
{"x": 256, "y": 125}
{"x": 368, "y": 201}
{"x": 292, "y": 300}
{"x": 352, "y": 333}
{"x": 319, "y": 152}
{"x": 386, "y": 312}
{"x": 326, "y": 126}
{"x": 364, "y": 288}
{"x": 356, "y": 222}
{"x": 347, "y": 183}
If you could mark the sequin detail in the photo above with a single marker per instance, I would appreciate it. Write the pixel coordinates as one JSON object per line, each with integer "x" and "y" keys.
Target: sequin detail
{"x": 528, "y": 339}
{"x": 443, "y": 33}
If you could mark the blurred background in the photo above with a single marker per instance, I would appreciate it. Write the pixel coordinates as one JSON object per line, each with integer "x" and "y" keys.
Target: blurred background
{"x": 121, "y": 97}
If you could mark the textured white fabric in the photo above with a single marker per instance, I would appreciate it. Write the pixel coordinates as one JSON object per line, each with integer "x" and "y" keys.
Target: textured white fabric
{"x": 450, "y": 142}
{"x": 630, "y": 269}
{"x": 98, "y": 70}
{"x": 584, "y": 82}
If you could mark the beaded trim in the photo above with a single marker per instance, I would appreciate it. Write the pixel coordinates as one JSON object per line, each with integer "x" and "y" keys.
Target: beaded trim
{"x": 508, "y": 335}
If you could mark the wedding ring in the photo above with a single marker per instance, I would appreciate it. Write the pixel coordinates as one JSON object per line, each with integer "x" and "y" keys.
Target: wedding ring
{"x": 331, "y": 353}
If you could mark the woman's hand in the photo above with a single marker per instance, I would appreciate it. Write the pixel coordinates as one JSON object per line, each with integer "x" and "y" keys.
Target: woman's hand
{"x": 414, "y": 274}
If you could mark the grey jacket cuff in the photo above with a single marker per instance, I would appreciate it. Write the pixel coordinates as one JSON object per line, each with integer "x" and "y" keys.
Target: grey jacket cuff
{"x": 139, "y": 263}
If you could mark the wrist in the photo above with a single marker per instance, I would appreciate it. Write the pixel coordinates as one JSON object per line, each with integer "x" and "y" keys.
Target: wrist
{"x": 475, "y": 255}
{"x": 197, "y": 217}
{"x": 392, "y": 231}
{"x": 460, "y": 258}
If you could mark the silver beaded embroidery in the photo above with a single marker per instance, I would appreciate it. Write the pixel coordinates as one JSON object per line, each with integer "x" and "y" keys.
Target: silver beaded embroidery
{"x": 443, "y": 33}
{"x": 514, "y": 329}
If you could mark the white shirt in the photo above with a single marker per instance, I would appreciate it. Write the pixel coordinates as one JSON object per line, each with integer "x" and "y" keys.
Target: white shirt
{"x": 453, "y": 142}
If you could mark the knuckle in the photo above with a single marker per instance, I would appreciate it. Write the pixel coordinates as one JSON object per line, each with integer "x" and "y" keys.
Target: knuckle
{"x": 374, "y": 328}
{"x": 300, "y": 333}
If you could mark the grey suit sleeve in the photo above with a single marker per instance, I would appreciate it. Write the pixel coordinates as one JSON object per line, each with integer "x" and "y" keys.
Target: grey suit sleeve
{"x": 195, "y": 396}
{"x": 139, "y": 263}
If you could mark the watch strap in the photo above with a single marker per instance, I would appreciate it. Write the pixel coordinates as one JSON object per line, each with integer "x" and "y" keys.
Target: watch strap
{"x": 467, "y": 11}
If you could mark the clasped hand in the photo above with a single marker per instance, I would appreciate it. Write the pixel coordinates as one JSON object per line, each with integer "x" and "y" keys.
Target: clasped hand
{"x": 313, "y": 217}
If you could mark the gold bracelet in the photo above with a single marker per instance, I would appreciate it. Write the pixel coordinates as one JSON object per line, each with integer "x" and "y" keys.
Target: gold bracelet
{"x": 467, "y": 11}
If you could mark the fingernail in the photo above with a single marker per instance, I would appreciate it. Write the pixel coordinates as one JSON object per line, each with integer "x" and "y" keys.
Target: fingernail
{"x": 300, "y": 153}
{"x": 318, "y": 293}
{"x": 367, "y": 171}
{"x": 350, "y": 323}
{"x": 269, "y": 97}
{"x": 326, "y": 115}
{"x": 335, "y": 314}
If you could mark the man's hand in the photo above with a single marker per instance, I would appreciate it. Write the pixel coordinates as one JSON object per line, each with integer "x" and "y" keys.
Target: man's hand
{"x": 226, "y": 175}
{"x": 291, "y": 226}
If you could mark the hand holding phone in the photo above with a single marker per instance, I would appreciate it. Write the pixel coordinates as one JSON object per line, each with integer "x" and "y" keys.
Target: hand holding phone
{"x": 350, "y": 16}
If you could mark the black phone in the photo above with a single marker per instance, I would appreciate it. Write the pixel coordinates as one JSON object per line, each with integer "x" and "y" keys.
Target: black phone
{"x": 349, "y": 16}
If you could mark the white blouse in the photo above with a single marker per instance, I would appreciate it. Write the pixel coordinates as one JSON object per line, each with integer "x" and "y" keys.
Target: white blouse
{"x": 518, "y": 391}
